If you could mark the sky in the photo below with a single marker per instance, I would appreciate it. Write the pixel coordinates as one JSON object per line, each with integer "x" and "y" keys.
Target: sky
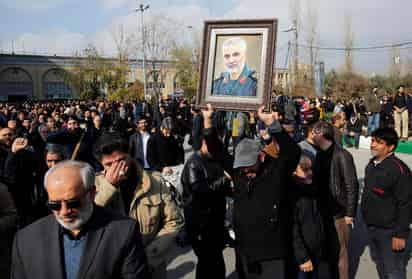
{"x": 64, "y": 27}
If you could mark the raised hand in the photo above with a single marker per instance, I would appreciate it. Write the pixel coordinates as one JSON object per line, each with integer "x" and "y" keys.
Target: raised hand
{"x": 116, "y": 173}
{"x": 19, "y": 144}
{"x": 267, "y": 117}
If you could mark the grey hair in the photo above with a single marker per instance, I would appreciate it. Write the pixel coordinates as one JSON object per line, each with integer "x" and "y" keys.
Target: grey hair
{"x": 237, "y": 41}
{"x": 86, "y": 171}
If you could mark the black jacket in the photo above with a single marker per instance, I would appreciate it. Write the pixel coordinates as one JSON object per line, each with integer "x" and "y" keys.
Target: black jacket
{"x": 308, "y": 229}
{"x": 387, "y": 197}
{"x": 164, "y": 152}
{"x": 66, "y": 138}
{"x": 113, "y": 249}
{"x": 205, "y": 187}
{"x": 204, "y": 190}
{"x": 136, "y": 147}
{"x": 339, "y": 190}
{"x": 262, "y": 211}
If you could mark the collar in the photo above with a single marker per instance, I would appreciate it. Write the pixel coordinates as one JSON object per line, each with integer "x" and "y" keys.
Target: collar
{"x": 144, "y": 186}
{"x": 377, "y": 162}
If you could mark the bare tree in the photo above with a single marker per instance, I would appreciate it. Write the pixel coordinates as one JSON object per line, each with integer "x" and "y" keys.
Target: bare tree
{"x": 295, "y": 11}
{"x": 311, "y": 37}
{"x": 159, "y": 39}
{"x": 123, "y": 42}
{"x": 349, "y": 38}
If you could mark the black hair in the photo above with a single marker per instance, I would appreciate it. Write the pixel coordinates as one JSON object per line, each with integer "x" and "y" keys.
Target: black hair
{"x": 388, "y": 135}
{"x": 326, "y": 129}
{"x": 109, "y": 143}
{"x": 73, "y": 117}
{"x": 55, "y": 149}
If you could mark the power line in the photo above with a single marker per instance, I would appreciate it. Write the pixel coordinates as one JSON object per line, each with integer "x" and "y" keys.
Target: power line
{"x": 385, "y": 46}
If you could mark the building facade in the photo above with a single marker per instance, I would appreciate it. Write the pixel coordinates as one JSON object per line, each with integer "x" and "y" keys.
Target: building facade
{"x": 35, "y": 77}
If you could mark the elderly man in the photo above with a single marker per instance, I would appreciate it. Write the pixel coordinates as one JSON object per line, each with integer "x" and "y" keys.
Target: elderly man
{"x": 239, "y": 79}
{"x": 125, "y": 187}
{"x": 82, "y": 240}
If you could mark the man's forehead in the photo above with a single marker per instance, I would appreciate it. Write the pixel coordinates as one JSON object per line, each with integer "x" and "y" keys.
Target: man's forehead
{"x": 66, "y": 176}
{"x": 232, "y": 48}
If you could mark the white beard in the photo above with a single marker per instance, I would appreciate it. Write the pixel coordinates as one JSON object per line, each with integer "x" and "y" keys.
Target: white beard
{"x": 83, "y": 217}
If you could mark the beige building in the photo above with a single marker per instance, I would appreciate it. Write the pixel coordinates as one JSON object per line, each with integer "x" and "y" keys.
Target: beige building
{"x": 27, "y": 77}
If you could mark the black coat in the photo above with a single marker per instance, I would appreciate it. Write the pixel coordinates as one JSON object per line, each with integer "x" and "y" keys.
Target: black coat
{"x": 204, "y": 190}
{"x": 262, "y": 208}
{"x": 136, "y": 147}
{"x": 308, "y": 229}
{"x": 164, "y": 152}
{"x": 113, "y": 249}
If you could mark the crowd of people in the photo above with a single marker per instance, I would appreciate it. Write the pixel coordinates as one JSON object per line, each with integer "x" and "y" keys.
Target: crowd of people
{"x": 83, "y": 192}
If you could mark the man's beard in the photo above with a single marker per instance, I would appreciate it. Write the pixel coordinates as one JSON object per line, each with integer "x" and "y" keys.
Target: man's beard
{"x": 82, "y": 217}
{"x": 236, "y": 69}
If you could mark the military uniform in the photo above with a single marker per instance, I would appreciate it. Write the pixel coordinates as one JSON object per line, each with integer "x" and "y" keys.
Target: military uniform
{"x": 245, "y": 86}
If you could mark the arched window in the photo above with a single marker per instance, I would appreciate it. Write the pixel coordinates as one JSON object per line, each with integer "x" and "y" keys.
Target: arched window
{"x": 16, "y": 84}
{"x": 55, "y": 86}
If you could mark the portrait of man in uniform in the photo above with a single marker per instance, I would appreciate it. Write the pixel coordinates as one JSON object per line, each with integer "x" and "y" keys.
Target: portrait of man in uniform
{"x": 236, "y": 64}
{"x": 237, "y": 79}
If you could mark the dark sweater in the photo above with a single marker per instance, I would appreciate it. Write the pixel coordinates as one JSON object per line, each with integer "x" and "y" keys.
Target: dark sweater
{"x": 387, "y": 197}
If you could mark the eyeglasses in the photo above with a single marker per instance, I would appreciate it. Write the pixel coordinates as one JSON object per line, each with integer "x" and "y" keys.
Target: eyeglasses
{"x": 70, "y": 204}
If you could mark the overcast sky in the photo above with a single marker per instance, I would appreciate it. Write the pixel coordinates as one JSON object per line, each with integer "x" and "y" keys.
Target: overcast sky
{"x": 66, "y": 26}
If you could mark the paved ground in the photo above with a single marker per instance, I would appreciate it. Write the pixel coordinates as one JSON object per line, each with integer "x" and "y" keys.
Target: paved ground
{"x": 184, "y": 261}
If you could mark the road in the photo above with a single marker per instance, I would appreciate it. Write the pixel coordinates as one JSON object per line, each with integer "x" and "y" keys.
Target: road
{"x": 183, "y": 260}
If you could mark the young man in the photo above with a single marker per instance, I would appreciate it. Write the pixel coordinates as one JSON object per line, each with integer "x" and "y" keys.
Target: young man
{"x": 386, "y": 205}
{"x": 335, "y": 175}
{"x": 126, "y": 188}
{"x": 205, "y": 187}
{"x": 400, "y": 113}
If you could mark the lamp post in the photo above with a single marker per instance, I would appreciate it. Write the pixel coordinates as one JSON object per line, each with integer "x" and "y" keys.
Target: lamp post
{"x": 141, "y": 9}
{"x": 294, "y": 28}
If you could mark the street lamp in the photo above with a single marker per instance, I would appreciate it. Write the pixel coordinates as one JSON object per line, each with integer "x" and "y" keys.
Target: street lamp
{"x": 294, "y": 28}
{"x": 141, "y": 9}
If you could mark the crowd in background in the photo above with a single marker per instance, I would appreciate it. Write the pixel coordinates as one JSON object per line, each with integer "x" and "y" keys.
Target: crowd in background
{"x": 296, "y": 144}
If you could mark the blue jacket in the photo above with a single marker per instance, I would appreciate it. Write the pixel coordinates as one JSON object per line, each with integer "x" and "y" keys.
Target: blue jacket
{"x": 245, "y": 86}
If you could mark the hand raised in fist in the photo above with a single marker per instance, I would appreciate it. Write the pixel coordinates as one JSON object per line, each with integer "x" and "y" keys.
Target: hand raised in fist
{"x": 19, "y": 144}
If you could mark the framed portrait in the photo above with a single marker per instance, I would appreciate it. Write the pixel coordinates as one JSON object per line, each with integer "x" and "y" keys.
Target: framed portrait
{"x": 237, "y": 62}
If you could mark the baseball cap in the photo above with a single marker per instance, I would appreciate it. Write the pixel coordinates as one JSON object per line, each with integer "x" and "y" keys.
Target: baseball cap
{"x": 246, "y": 153}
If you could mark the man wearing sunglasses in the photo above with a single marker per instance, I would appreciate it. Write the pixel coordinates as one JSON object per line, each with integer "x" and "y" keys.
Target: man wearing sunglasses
{"x": 80, "y": 239}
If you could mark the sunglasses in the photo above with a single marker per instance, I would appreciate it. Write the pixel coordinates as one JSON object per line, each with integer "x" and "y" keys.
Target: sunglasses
{"x": 70, "y": 204}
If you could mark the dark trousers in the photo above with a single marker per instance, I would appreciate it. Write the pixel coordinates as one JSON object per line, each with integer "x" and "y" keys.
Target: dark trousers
{"x": 389, "y": 264}
{"x": 263, "y": 269}
{"x": 321, "y": 271}
{"x": 210, "y": 262}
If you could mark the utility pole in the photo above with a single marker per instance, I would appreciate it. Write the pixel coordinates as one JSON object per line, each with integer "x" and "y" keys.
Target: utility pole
{"x": 296, "y": 60}
{"x": 141, "y": 9}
